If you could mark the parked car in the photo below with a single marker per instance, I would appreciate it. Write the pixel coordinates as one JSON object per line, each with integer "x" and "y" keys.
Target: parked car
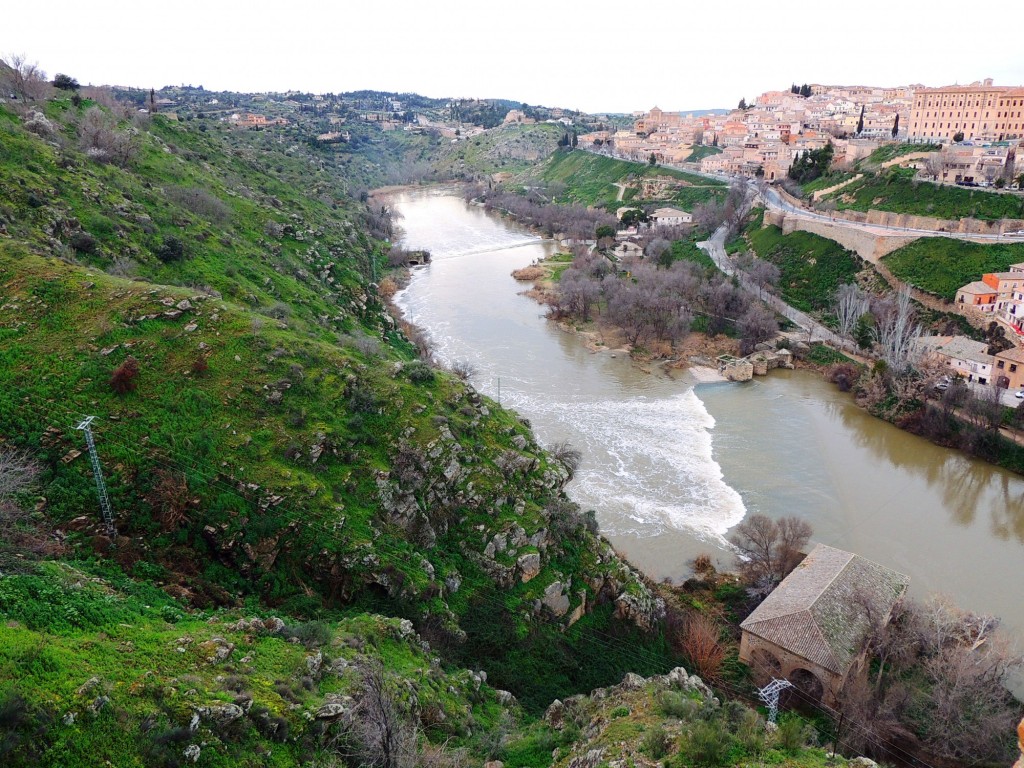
{"x": 1019, "y": 394}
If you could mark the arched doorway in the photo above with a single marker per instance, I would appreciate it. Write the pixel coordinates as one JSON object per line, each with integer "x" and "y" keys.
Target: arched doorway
{"x": 807, "y": 689}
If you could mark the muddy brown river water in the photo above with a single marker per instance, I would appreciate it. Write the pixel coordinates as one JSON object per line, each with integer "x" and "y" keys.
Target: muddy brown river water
{"x": 670, "y": 465}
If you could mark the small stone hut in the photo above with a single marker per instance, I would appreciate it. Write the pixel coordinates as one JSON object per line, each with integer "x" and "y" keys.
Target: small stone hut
{"x": 810, "y": 629}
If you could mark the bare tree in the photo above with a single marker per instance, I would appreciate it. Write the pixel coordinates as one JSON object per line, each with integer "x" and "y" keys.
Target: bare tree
{"x": 768, "y": 550}
{"x": 23, "y": 78}
{"x": 851, "y": 303}
{"x": 567, "y": 455}
{"x": 756, "y": 325}
{"x": 386, "y": 737}
{"x": 464, "y": 369}
{"x": 18, "y": 473}
{"x": 897, "y": 333}
{"x": 101, "y": 139}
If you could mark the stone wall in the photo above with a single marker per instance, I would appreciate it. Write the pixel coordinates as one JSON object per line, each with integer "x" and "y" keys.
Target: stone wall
{"x": 868, "y": 245}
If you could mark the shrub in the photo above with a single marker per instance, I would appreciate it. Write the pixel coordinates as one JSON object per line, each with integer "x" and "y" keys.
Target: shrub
{"x": 701, "y": 641}
{"x": 656, "y": 744}
{"x": 311, "y": 634}
{"x": 419, "y": 372}
{"x": 844, "y": 376}
{"x": 123, "y": 379}
{"x": 792, "y": 735}
{"x": 83, "y": 242}
{"x": 200, "y": 202}
{"x": 567, "y": 455}
{"x": 620, "y": 712}
{"x": 708, "y": 743}
{"x": 677, "y": 705}
{"x": 170, "y": 249}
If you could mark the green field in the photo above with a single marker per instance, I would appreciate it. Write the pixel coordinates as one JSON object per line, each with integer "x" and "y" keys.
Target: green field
{"x": 940, "y": 265}
{"x": 812, "y": 267}
{"x": 899, "y": 192}
{"x": 590, "y": 179}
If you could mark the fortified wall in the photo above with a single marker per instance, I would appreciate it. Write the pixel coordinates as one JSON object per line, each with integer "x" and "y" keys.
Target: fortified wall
{"x": 867, "y": 245}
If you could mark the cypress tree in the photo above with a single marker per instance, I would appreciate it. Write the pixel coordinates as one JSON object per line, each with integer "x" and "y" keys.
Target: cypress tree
{"x": 896, "y": 126}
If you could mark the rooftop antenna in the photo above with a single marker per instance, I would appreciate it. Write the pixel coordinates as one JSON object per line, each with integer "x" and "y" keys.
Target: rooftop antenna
{"x": 101, "y": 487}
{"x": 770, "y": 696}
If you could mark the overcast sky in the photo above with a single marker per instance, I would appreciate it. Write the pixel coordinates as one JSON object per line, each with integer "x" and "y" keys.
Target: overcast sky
{"x": 595, "y": 56}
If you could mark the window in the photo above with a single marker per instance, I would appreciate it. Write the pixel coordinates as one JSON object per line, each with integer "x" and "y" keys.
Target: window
{"x": 999, "y": 364}
{"x": 1013, "y": 367}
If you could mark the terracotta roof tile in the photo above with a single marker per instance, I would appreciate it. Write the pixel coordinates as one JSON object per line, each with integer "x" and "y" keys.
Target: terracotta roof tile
{"x": 816, "y": 611}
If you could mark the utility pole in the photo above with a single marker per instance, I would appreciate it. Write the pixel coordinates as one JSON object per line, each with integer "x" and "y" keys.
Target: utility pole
{"x": 101, "y": 487}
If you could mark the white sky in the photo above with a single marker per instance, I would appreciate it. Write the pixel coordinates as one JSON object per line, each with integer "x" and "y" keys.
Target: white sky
{"x": 595, "y": 56}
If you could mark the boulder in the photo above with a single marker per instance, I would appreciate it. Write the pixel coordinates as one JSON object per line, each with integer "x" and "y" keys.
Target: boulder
{"x": 528, "y": 566}
{"x": 192, "y": 752}
{"x": 220, "y": 714}
{"x": 555, "y": 599}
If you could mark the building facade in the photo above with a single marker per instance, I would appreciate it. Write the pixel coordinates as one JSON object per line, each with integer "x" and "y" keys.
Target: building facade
{"x": 978, "y": 111}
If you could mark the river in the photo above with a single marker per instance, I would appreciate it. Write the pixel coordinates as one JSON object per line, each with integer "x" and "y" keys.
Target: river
{"x": 670, "y": 464}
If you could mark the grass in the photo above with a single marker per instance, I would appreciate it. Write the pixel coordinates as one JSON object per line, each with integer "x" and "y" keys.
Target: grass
{"x": 897, "y": 191}
{"x": 888, "y": 152}
{"x": 826, "y": 181}
{"x": 700, "y": 152}
{"x": 812, "y": 267}
{"x": 73, "y": 633}
{"x": 820, "y": 354}
{"x": 590, "y": 179}
{"x": 687, "y": 250}
{"x": 941, "y": 265}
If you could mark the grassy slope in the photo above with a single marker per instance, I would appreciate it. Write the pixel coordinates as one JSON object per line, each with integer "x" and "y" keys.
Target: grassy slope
{"x": 507, "y": 149}
{"x": 941, "y": 265}
{"x": 812, "y": 267}
{"x": 699, "y": 153}
{"x": 896, "y": 191}
{"x": 74, "y": 634}
{"x": 260, "y": 517}
{"x": 590, "y": 178}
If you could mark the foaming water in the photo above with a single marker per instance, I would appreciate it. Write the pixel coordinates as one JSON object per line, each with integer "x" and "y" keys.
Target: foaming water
{"x": 654, "y": 456}
{"x": 648, "y": 468}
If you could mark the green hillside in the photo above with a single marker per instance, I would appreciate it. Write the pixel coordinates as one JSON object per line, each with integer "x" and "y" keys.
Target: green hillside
{"x": 812, "y": 267}
{"x": 590, "y": 179}
{"x": 941, "y": 265}
{"x": 328, "y": 551}
{"x": 896, "y": 190}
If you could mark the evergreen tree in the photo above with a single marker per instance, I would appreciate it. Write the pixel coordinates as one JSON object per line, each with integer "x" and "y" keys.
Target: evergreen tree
{"x": 794, "y": 88}
{"x": 896, "y": 126}
{"x": 652, "y": 160}
{"x": 805, "y": 90}
{"x": 743, "y": 104}
{"x": 575, "y": 140}
{"x": 860, "y": 122}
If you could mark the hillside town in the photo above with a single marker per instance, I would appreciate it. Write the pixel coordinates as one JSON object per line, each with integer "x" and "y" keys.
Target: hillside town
{"x": 984, "y": 122}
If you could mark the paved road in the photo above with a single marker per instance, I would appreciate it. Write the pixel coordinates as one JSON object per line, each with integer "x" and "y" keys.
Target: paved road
{"x": 715, "y": 248}
{"x": 773, "y": 200}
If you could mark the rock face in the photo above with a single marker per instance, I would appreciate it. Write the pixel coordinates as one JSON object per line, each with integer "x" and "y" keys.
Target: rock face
{"x": 555, "y": 600}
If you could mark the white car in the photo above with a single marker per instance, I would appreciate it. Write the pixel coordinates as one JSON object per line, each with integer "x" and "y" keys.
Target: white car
{"x": 1019, "y": 394}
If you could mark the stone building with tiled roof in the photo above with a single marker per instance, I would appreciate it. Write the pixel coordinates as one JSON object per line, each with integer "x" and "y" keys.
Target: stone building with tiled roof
{"x": 810, "y": 629}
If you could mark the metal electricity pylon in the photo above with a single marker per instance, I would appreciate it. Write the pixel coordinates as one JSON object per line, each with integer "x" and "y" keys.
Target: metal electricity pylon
{"x": 101, "y": 487}
{"x": 770, "y": 696}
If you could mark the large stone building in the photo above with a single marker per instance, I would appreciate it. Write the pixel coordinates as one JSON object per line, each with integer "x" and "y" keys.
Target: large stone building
{"x": 979, "y": 111}
{"x": 810, "y": 629}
